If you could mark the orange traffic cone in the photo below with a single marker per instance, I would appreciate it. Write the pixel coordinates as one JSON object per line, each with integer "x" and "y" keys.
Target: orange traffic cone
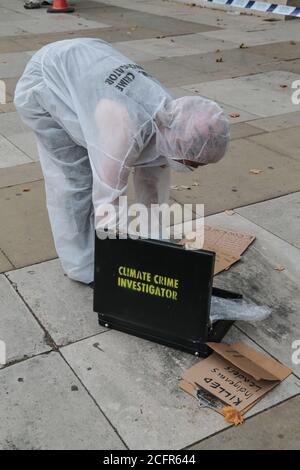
{"x": 60, "y": 6}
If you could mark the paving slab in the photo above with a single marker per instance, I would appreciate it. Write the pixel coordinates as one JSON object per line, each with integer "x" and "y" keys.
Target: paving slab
{"x": 10, "y": 85}
{"x": 14, "y": 130}
{"x": 271, "y": 247}
{"x": 9, "y": 45}
{"x": 55, "y": 23}
{"x": 160, "y": 47}
{"x": 280, "y": 216}
{"x": 282, "y": 33}
{"x": 229, "y": 183}
{"x": 19, "y": 174}
{"x": 19, "y": 330}
{"x": 275, "y": 429}
{"x": 44, "y": 406}
{"x": 135, "y": 383}
{"x": 200, "y": 44}
{"x": 136, "y": 55}
{"x": 259, "y": 94}
{"x": 225, "y": 61}
{"x": 178, "y": 92}
{"x": 12, "y": 123}
{"x": 26, "y": 236}
{"x": 257, "y": 279}
{"x": 36, "y": 41}
{"x": 171, "y": 74}
{"x": 64, "y": 307}
{"x": 10, "y": 155}
{"x": 24, "y": 141}
{"x": 242, "y": 130}
{"x": 5, "y": 264}
{"x": 211, "y": 16}
{"x": 7, "y": 15}
{"x": 290, "y": 65}
{"x": 275, "y": 123}
{"x": 12, "y": 64}
{"x": 117, "y": 17}
{"x": 284, "y": 141}
{"x": 281, "y": 50}
{"x": 7, "y": 108}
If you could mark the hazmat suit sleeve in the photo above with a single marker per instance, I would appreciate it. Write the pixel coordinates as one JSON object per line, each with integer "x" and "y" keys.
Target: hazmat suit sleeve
{"x": 152, "y": 184}
{"x": 119, "y": 145}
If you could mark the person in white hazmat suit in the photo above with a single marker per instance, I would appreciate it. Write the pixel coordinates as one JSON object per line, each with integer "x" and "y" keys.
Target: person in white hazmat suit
{"x": 96, "y": 115}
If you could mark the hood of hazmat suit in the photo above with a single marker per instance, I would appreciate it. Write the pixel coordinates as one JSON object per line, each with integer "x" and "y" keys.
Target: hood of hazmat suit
{"x": 96, "y": 115}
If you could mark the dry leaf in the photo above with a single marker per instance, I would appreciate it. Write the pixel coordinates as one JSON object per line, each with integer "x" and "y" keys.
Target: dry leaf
{"x": 229, "y": 212}
{"x": 279, "y": 267}
{"x": 243, "y": 46}
{"x": 283, "y": 86}
{"x": 181, "y": 187}
{"x": 255, "y": 171}
{"x": 234, "y": 115}
{"x": 26, "y": 190}
{"x": 232, "y": 415}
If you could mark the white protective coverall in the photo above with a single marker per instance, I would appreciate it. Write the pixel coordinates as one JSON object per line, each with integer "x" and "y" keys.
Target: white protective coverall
{"x": 96, "y": 115}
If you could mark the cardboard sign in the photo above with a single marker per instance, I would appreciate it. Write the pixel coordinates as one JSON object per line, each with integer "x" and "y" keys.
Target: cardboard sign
{"x": 230, "y": 241}
{"x": 236, "y": 374}
{"x": 223, "y": 259}
{"x": 228, "y": 245}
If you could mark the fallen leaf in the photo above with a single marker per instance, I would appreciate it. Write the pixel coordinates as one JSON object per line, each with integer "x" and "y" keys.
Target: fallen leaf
{"x": 26, "y": 190}
{"x": 234, "y": 115}
{"x": 181, "y": 187}
{"x": 283, "y": 86}
{"x": 255, "y": 171}
{"x": 229, "y": 212}
{"x": 232, "y": 415}
{"x": 279, "y": 267}
{"x": 243, "y": 46}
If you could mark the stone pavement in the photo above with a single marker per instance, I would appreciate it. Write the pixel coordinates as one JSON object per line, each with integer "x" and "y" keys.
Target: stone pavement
{"x": 69, "y": 383}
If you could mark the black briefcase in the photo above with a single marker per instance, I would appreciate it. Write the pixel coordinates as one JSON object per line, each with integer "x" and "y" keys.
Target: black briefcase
{"x": 159, "y": 291}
